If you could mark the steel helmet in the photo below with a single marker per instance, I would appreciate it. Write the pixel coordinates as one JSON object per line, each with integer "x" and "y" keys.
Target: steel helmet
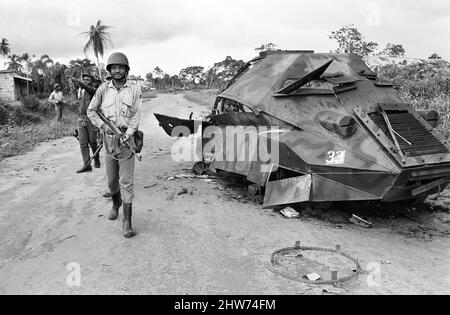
{"x": 117, "y": 58}
{"x": 57, "y": 85}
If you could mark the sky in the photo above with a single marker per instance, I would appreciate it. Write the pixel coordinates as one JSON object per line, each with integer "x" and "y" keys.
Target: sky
{"x": 174, "y": 34}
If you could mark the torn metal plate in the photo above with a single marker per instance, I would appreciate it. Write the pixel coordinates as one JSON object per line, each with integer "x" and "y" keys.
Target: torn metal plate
{"x": 288, "y": 191}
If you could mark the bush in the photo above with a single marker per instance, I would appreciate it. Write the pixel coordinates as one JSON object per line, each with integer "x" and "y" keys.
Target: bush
{"x": 4, "y": 115}
{"x": 426, "y": 86}
{"x": 31, "y": 103}
{"x": 423, "y": 80}
{"x": 20, "y": 117}
{"x": 34, "y": 105}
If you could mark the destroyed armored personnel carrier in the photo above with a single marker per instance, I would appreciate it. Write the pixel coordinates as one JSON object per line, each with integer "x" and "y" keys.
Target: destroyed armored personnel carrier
{"x": 342, "y": 134}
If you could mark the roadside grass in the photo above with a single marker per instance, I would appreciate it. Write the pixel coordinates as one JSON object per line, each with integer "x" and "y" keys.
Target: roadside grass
{"x": 202, "y": 97}
{"x": 19, "y": 139}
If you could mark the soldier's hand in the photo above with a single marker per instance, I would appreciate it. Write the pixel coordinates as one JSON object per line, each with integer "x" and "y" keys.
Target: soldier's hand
{"x": 125, "y": 137}
{"x": 107, "y": 130}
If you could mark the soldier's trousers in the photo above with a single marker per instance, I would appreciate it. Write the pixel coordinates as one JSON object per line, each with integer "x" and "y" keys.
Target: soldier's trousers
{"x": 87, "y": 134}
{"x": 120, "y": 174}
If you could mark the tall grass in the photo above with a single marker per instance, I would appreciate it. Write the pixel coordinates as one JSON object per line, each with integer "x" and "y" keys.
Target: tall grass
{"x": 23, "y": 133}
{"x": 425, "y": 86}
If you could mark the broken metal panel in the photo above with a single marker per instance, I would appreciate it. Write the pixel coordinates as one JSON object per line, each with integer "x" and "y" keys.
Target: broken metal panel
{"x": 288, "y": 191}
{"x": 429, "y": 174}
{"x": 398, "y": 193}
{"x": 373, "y": 183}
{"x": 315, "y": 74}
{"x": 413, "y": 178}
{"x": 324, "y": 190}
{"x": 251, "y": 92}
{"x": 422, "y": 189}
{"x": 259, "y": 172}
{"x": 169, "y": 123}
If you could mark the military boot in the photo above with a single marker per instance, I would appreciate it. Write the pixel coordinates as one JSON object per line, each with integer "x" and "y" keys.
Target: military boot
{"x": 127, "y": 213}
{"x": 85, "y": 168}
{"x": 97, "y": 161}
{"x": 117, "y": 202}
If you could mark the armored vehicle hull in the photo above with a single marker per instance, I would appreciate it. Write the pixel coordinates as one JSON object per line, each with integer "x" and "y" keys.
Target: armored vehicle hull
{"x": 333, "y": 131}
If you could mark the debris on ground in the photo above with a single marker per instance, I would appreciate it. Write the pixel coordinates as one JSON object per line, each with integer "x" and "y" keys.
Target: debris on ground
{"x": 191, "y": 176}
{"x": 385, "y": 262}
{"x": 183, "y": 191}
{"x": 151, "y": 186}
{"x": 290, "y": 213}
{"x": 360, "y": 221}
{"x": 313, "y": 276}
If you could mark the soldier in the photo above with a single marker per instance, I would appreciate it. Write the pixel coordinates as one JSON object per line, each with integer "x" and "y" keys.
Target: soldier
{"x": 87, "y": 132}
{"x": 120, "y": 101}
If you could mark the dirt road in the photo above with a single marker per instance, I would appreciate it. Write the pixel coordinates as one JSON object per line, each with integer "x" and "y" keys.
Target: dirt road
{"x": 199, "y": 243}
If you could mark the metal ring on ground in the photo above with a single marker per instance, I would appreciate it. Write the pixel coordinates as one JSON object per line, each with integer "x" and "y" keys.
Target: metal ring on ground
{"x": 299, "y": 248}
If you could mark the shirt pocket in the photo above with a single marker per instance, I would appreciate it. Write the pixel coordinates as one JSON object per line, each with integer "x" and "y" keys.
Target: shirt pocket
{"x": 126, "y": 106}
{"x": 108, "y": 107}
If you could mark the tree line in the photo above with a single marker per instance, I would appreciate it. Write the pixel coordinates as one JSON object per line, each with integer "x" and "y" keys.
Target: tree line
{"x": 45, "y": 72}
{"x": 190, "y": 77}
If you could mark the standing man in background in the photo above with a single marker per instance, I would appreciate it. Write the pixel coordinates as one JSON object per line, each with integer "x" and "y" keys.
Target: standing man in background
{"x": 88, "y": 134}
{"x": 56, "y": 98}
{"x": 120, "y": 102}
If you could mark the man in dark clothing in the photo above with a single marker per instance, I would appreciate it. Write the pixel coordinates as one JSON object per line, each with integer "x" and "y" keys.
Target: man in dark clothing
{"x": 87, "y": 132}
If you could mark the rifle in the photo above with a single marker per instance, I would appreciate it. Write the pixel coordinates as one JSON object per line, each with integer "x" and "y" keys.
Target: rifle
{"x": 119, "y": 134}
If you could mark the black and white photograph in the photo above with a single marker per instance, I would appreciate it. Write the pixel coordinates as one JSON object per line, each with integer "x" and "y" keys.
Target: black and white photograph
{"x": 224, "y": 155}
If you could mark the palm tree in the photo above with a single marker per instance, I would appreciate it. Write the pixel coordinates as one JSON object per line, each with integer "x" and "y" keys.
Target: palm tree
{"x": 26, "y": 62}
{"x": 4, "y": 48}
{"x": 41, "y": 72}
{"x": 98, "y": 38}
{"x": 28, "y": 67}
{"x": 14, "y": 63}
{"x": 79, "y": 66}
